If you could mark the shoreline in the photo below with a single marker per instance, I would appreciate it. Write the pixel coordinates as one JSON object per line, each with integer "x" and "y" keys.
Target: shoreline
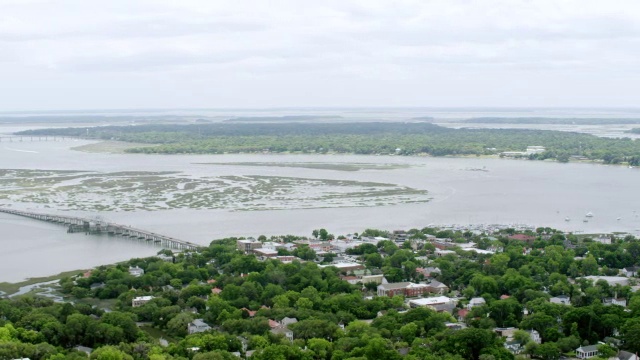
{"x": 119, "y": 147}
{"x": 8, "y": 289}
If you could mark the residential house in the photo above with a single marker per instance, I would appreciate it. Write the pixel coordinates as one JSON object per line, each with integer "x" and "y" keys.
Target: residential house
{"x": 408, "y": 289}
{"x": 630, "y": 271}
{"x": 399, "y": 236}
{"x": 282, "y": 327}
{"x": 248, "y": 245}
{"x": 437, "y": 287}
{"x": 84, "y": 349}
{"x": 141, "y": 300}
{"x": 625, "y": 355}
{"x": 265, "y": 253}
{"x": 586, "y": 352}
{"x": 613, "y": 301}
{"x": 560, "y": 299}
{"x": 476, "y": 301}
{"x": 136, "y": 271}
{"x": 462, "y": 314}
{"x": 197, "y": 326}
{"x": 514, "y": 347}
{"x": 535, "y": 336}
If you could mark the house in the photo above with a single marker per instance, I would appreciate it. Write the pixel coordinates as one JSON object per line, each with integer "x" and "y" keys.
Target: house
{"x": 613, "y": 301}
{"x": 265, "y": 253}
{"x": 248, "y": 245}
{"x": 84, "y": 349}
{"x": 462, "y": 314}
{"x": 630, "y": 271}
{"x": 476, "y": 301}
{"x": 197, "y": 326}
{"x": 560, "y": 299}
{"x": 141, "y": 300}
{"x": 136, "y": 271}
{"x": 407, "y": 289}
{"x": 535, "y": 336}
{"x": 282, "y": 327}
{"x": 586, "y": 352}
{"x": 437, "y": 287}
{"x": 515, "y": 347}
{"x": 625, "y": 355}
{"x": 377, "y": 279}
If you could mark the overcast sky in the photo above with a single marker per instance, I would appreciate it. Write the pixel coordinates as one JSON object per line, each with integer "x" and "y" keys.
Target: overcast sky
{"x": 243, "y": 54}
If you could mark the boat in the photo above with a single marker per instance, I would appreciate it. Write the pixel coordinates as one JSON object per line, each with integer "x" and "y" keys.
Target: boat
{"x": 567, "y": 219}
{"x": 589, "y": 214}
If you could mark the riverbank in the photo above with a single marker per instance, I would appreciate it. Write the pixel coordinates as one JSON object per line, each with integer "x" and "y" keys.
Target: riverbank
{"x": 8, "y": 288}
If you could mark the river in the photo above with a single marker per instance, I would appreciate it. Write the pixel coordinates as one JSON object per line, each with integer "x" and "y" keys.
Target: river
{"x": 462, "y": 191}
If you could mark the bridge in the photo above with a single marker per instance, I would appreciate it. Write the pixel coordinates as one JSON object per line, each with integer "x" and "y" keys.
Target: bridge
{"x": 31, "y": 138}
{"x": 78, "y": 224}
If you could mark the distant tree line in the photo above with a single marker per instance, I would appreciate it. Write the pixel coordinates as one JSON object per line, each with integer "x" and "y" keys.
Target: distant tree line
{"x": 357, "y": 138}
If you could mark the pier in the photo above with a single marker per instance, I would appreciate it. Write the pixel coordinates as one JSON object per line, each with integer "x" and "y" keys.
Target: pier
{"x": 89, "y": 226}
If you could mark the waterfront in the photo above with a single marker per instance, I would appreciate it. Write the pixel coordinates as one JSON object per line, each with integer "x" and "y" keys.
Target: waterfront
{"x": 462, "y": 191}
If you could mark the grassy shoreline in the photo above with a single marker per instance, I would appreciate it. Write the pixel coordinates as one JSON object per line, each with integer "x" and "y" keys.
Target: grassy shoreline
{"x": 9, "y": 288}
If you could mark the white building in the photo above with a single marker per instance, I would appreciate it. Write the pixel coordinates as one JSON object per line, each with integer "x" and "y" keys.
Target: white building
{"x": 431, "y": 301}
{"x": 476, "y": 301}
{"x": 586, "y": 352}
{"x": 136, "y": 271}
{"x": 560, "y": 299}
{"x": 141, "y": 300}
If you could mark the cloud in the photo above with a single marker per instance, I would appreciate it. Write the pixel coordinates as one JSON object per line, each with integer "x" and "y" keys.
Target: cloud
{"x": 304, "y": 43}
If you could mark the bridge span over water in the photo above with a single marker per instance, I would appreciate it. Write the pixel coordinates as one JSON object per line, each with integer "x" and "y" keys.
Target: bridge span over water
{"x": 78, "y": 224}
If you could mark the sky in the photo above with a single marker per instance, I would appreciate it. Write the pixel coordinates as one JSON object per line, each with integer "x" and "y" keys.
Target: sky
{"x": 135, "y": 54}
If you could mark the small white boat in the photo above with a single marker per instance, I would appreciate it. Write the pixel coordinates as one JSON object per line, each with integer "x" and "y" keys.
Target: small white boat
{"x": 589, "y": 214}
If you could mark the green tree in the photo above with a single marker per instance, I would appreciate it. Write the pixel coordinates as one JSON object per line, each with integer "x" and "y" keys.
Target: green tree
{"x": 110, "y": 353}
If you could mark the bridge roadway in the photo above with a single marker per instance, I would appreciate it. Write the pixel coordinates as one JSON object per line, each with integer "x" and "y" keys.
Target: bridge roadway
{"x": 32, "y": 138}
{"x": 99, "y": 226}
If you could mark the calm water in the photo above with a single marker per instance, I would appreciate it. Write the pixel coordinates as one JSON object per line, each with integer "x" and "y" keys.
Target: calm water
{"x": 505, "y": 192}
